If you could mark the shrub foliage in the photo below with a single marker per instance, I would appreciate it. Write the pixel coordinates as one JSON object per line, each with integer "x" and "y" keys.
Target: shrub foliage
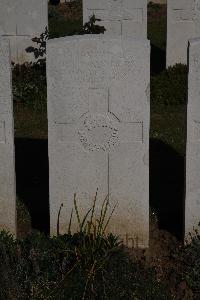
{"x": 29, "y": 85}
{"x": 170, "y": 86}
{"x": 89, "y": 264}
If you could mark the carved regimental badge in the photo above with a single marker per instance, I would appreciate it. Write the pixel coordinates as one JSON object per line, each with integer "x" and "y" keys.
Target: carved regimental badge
{"x": 98, "y": 132}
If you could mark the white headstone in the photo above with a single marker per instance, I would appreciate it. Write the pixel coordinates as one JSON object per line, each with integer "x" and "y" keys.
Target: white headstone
{"x": 192, "y": 209}
{"x": 119, "y": 17}
{"x": 7, "y": 165}
{"x": 20, "y": 21}
{"x": 183, "y": 23}
{"x": 98, "y": 115}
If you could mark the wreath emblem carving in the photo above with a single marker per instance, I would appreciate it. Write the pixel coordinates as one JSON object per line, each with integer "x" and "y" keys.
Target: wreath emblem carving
{"x": 98, "y": 132}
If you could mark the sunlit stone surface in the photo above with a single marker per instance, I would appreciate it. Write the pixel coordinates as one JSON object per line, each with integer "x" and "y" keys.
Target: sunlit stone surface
{"x": 7, "y": 165}
{"x": 98, "y": 114}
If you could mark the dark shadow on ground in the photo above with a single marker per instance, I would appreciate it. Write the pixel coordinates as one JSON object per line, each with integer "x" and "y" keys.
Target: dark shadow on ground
{"x": 166, "y": 183}
{"x": 158, "y": 60}
{"x": 31, "y": 159}
{"x": 167, "y": 187}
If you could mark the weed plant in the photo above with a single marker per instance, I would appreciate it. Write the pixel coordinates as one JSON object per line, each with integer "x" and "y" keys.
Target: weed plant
{"x": 88, "y": 264}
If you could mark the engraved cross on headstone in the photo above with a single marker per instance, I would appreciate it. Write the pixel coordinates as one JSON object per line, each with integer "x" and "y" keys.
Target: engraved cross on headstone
{"x": 98, "y": 128}
{"x": 98, "y": 116}
{"x": 119, "y": 17}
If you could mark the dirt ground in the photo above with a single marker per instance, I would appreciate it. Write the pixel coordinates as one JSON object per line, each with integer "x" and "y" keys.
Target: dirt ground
{"x": 163, "y": 257}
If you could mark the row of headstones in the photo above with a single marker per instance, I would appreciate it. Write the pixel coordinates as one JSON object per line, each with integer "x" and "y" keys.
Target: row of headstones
{"x": 129, "y": 18}
{"x": 20, "y": 21}
{"x": 98, "y": 111}
{"x": 24, "y": 19}
{"x": 98, "y": 116}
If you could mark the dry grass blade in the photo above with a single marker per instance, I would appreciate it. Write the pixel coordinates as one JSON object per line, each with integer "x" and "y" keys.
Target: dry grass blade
{"x": 93, "y": 209}
{"x": 70, "y": 222}
{"x": 92, "y": 271}
{"x": 84, "y": 220}
{"x": 58, "y": 219}
{"x": 76, "y": 209}
{"x": 102, "y": 215}
{"x": 108, "y": 220}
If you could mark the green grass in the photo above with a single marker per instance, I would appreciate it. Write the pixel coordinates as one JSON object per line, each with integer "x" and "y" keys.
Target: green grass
{"x": 60, "y": 27}
{"x": 168, "y": 107}
{"x": 157, "y": 33}
{"x": 168, "y": 88}
{"x": 30, "y": 123}
{"x": 29, "y": 85}
{"x": 168, "y": 124}
{"x": 65, "y": 19}
{"x": 30, "y": 101}
{"x": 157, "y": 25}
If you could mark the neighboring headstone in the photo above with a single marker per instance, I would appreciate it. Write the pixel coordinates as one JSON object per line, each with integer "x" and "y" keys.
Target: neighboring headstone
{"x": 67, "y": 1}
{"x": 183, "y": 23}
{"x": 20, "y": 21}
{"x": 158, "y": 1}
{"x": 7, "y": 165}
{"x": 119, "y": 17}
{"x": 192, "y": 207}
{"x": 98, "y": 115}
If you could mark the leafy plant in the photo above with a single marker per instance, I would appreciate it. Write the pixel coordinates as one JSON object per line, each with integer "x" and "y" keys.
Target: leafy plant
{"x": 94, "y": 247}
{"x": 39, "y": 51}
{"x": 91, "y": 27}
